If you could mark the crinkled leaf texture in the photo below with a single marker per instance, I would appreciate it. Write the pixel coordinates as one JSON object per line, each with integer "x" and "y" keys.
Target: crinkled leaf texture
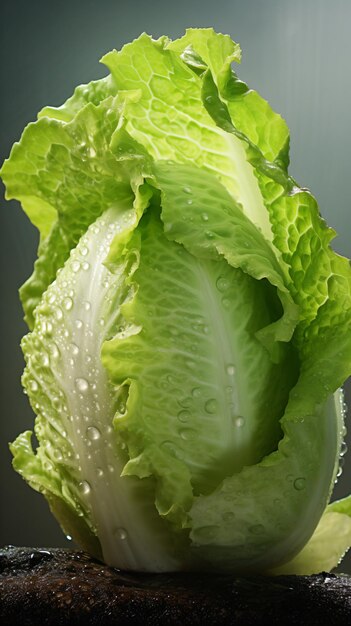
{"x": 190, "y": 322}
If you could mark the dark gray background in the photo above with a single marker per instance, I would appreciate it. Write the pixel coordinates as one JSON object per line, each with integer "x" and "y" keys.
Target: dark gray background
{"x": 296, "y": 54}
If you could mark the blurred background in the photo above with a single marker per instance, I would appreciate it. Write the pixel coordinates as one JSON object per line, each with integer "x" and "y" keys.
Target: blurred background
{"x": 296, "y": 54}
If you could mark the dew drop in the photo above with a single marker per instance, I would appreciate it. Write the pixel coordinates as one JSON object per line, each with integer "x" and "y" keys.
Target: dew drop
{"x": 84, "y": 251}
{"x": 230, "y": 369}
{"x": 299, "y": 483}
{"x": 87, "y": 305}
{"x": 84, "y": 487}
{"x": 58, "y": 454}
{"x": 170, "y": 448}
{"x": 239, "y": 421}
{"x": 78, "y": 324}
{"x": 110, "y": 468}
{"x": 54, "y": 351}
{"x": 68, "y": 303}
{"x": 75, "y": 266}
{"x": 121, "y": 533}
{"x": 196, "y": 392}
{"x": 45, "y": 360}
{"x": 93, "y": 433}
{"x": 82, "y": 385}
{"x": 222, "y": 283}
{"x": 58, "y": 313}
{"x": 187, "y": 190}
{"x": 33, "y": 385}
{"x": 74, "y": 349}
{"x": 100, "y": 472}
{"x": 186, "y": 402}
{"x": 226, "y": 303}
{"x": 187, "y": 434}
{"x": 209, "y": 99}
{"x": 184, "y": 416}
{"x": 85, "y": 265}
{"x": 68, "y": 537}
{"x": 204, "y": 217}
{"x": 206, "y": 532}
{"x": 256, "y": 529}
{"x": 51, "y": 299}
{"x": 211, "y": 406}
{"x": 343, "y": 448}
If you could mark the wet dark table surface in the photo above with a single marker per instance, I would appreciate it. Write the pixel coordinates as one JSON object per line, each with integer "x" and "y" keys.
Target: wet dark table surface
{"x": 43, "y": 586}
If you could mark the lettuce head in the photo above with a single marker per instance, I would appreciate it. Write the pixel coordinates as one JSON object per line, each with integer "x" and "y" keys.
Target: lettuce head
{"x": 190, "y": 325}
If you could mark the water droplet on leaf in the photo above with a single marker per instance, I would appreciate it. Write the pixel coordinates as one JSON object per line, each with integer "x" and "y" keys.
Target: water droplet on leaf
{"x": 93, "y": 433}
{"x": 82, "y": 385}
{"x": 183, "y": 416}
{"x": 228, "y": 516}
{"x": 187, "y": 434}
{"x": 84, "y": 487}
{"x": 343, "y": 448}
{"x": 256, "y": 529}
{"x": 121, "y": 533}
{"x": 239, "y": 421}
{"x": 68, "y": 303}
{"x": 58, "y": 313}
{"x": 299, "y": 483}
{"x": 54, "y": 351}
{"x": 211, "y": 406}
{"x": 222, "y": 283}
{"x": 33, "y": 385}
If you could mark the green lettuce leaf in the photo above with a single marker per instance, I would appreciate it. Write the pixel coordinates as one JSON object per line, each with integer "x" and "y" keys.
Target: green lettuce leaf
{"x": 249, "y": 112}
{"x": 65, "y": 176}
{"x": 78, "y": 462}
